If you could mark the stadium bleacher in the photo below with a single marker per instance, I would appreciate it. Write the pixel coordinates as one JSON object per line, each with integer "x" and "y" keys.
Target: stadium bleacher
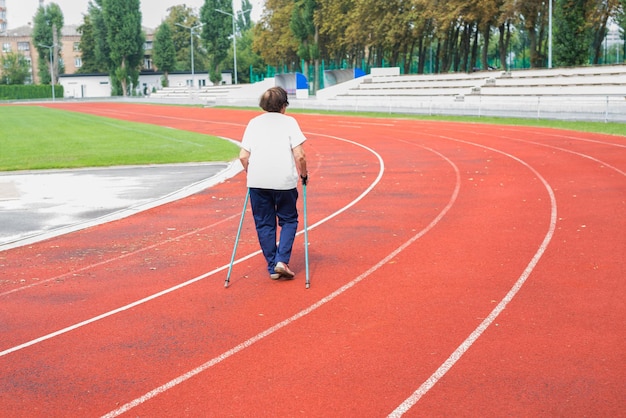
{"x": 584, "y": 93}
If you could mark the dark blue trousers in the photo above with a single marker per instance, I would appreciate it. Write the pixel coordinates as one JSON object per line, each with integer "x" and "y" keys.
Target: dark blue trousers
{"x": 268, "y": 206}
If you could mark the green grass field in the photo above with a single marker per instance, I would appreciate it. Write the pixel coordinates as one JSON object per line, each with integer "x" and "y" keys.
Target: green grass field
{"x": 34, "y": 138}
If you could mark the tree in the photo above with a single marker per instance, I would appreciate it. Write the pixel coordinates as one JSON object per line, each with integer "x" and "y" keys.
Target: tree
{"x": 47, "y": 27}
{"x": 571, "y": 37}
{"x": 533, "y": 16}
{"x": 621, "y": 21}
{"x": 246, "y": 57}
{"x": 599, "y": 12}
{"x": 183, "y": 15}
{"x": 244, "y": 21}
{"x": 216, "y": 32}
{"x": 164, "y": 51}
{"x": 122, "y": 19}
{"x": 273, "y": 39}
{"x": 88, "y": 48}
{"x": 14, "y": 68}
{"x": 306, "y": 31}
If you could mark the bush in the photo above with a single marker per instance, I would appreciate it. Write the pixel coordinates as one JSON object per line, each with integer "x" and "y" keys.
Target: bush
{"x": 29, "y": 91}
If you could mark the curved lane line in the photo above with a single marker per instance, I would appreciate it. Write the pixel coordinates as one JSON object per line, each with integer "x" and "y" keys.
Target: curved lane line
{"x": 201, "y": 277}
{"x": 473, "y": 337}
{"x": 174, "y": 382}
{"x": 120, "y": 257}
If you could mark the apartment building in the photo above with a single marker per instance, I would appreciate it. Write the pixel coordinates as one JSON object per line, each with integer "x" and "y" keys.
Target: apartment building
{"x": 20, "y": 40}
{"x": 3, "y": 16}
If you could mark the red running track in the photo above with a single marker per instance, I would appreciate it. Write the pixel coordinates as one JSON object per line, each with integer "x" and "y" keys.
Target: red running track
{"x": 456, "y": 270}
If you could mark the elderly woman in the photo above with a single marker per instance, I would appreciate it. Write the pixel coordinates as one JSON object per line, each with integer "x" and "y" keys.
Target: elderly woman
{"x": 273, "y": 158}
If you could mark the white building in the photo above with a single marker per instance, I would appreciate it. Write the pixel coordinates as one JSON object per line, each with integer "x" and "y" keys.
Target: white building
{"x": 83, "y": 86}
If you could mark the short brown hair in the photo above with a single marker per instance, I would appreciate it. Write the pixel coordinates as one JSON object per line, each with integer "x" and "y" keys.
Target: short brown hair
{"x": 274, "y": 99}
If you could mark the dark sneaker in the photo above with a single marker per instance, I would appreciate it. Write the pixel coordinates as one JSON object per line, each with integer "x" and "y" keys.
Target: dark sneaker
{"x": 275, "y": 276}
{"x": 283, "y": 269}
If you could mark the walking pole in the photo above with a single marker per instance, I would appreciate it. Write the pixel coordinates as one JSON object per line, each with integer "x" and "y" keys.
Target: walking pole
{"x": 306, "y": 238}
{"x": 232, "y": 259}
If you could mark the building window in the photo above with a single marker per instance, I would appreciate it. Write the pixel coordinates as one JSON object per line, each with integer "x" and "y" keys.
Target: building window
{"x": 76, "y": 46}
{"x": 6, "y": 47}
{"x": 23, "y": 46}
{"x": 78, "y": 62}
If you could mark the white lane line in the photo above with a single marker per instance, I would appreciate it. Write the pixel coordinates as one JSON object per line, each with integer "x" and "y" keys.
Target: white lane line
{"x": 589, "y": 157}
{"x": 203, "y": 276}
{"x": 541, "y": 144}
{"x": 180, "y": 379}
{"x": 120, "y": 257}
{"x": 473, "y": 337}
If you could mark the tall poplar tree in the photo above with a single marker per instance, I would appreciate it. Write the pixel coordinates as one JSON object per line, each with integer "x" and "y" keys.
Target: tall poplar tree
{"x": 125, "y": 39}
{"x": 88, "y": 48}
{"x": 216, "y": 33}
{"x": 164, "y": 51}
{"x": 47, "y": 27}
{"x": 571, "y": 37}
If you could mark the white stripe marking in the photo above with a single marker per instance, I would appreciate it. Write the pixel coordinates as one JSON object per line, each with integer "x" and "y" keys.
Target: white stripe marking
{"x": 198, "y": 278}
{"x": 471, "y": 339}
{"x": 172, "y": 383}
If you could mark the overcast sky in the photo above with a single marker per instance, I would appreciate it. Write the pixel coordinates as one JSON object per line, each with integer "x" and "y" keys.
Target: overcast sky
{"x": 20, "y": 12}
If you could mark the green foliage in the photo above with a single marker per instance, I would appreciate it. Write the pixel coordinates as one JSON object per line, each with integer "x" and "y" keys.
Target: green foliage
{"x": 38, "y": 138}
{"x": 216, "y": 33}
{"x": 273, "y": 39}
{"x": 621, "y": 20}
{"x": 29, "y": 91}
{"x": 47, "y": 27}
{"x": 164, "y": 51}
{"x": 14, "y": 68}
{"x": 243, "y": 21}
{"x": 571, "y": 37}
{"x": 246, "y": 57}
{"x": 125, "y": 39}
{"x": 181, "y": 18}
{"x": 89, "y": 49}
{"x": 428, "y": 35}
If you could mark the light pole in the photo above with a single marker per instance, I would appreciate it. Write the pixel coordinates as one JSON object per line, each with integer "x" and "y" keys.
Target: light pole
{"x": 191, "y": 29}
{"x": 232, "y": 15}
{"x": 550, "y": 36}
{"x": 50, "y": 48}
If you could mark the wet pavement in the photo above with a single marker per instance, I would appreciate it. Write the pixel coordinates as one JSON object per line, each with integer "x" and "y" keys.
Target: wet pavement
{"x": 36, "y": 205}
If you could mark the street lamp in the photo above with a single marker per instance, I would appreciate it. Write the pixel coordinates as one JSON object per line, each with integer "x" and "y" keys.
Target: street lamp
{"x": 234, "y": 38}
{"x": 550, "y": 36}
{"x": 191, "y": 29}
{"x": 50, "y": 48}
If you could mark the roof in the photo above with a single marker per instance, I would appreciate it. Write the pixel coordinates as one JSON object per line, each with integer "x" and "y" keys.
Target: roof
{"x": 20, "y": 31}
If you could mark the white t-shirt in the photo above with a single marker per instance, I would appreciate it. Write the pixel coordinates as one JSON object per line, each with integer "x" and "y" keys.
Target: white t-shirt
{"x": 270, "y": 138}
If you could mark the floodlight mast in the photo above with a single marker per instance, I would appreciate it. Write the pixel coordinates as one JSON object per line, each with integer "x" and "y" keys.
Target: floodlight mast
{"x": 191, "y": 29}
{"x": 550, "y": 36}
{"x": 232, "y": 15}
